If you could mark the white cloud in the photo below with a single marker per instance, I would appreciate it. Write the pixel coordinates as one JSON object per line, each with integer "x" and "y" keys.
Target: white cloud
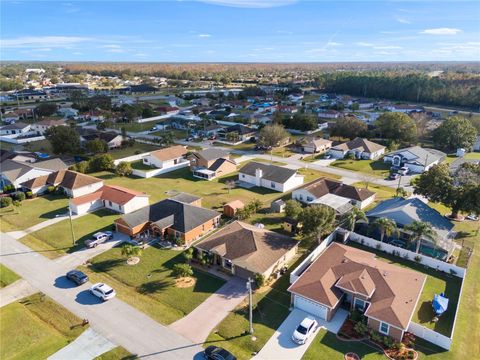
{"x": 441, "y": 31}
{"x": 402, "y": 20}
{"x": 111, "y": 46}
{"x": 204, "y": 35}
{"x": 116, "y": 50}
{"x": 258, "y": 4}
{"x": 42, "y": 41}
{"x": 77, "y": 53}
{"x": 364, "y": 44}
{"x": 387, "y": 47}
{"x": 334, "y": 44}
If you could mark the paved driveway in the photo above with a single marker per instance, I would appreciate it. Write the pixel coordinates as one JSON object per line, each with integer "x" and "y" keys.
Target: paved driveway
{"x": 200, "y": 322}
{"x": 281, "y": 347}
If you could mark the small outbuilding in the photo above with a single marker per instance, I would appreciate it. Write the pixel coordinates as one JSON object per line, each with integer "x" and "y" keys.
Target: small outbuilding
{"x": 230, "y": 209}
{"x": 278, "y": 206}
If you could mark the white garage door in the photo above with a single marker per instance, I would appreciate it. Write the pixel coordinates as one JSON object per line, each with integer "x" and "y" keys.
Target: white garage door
{"x": 311, "y": 307}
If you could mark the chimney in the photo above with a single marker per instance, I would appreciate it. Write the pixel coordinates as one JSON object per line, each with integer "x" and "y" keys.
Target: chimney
{"x": 258, "y": 173}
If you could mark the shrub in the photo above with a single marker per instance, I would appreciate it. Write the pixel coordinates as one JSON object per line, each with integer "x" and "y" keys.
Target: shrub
{"x": 361, "y": 328}
{"x": 188, "y": 255}
{"x": 388, "y": 342}
{"x": 182, "y": 270}
{"x": 8, "y": 188}
{"x": 101, "y": 163}
{"x": 259, "y": 280}
{"x": 375, "y": 336}
{"x": 20, "y": 196}
{"x": 356, "y": 316}
{"x": 350, "y": 156}
{"x": 417, "y": 258}
{"x": 81, "y": 167}
{"x": 5, "y": 201}
{"x": 123, "y": 169}
{"x": 29, "y": 194}
{"x": 51, "y": 189}
{"x": 378, "y": 246}
{"x": 17, "y": 203}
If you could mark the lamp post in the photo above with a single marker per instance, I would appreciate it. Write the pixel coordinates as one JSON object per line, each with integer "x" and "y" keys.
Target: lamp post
{"x": 71, "y": 225}
{"x": 250, "y": 312}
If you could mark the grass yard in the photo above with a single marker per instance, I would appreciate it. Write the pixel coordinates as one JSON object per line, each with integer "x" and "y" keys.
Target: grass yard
{"x": 139, "y": 165}
{"x": 37, "y": 327}
{"x": 118, "y": 353}
{"x": 7, "y": 276}
{"x": 246, "y": 146}
{"x": 56, "y": 240}
{"x": 137, "y": 148}
{"x": 134, "y": 126}
{"x": 149, "y": 285}
{"x": 32, "y": 212}
{"x": 376, "y": 168}
{"x": 383, "y": 193}
{"x": 177, "y": 134}
{"x": 283, "y": 152}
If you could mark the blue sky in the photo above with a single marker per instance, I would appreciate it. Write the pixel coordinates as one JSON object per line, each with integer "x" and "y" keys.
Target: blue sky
{"x": 240, "y": 30}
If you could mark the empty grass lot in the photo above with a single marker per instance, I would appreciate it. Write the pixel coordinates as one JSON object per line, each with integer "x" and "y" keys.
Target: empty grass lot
{"x": 149, "y": 285}
{"x": 35, "y": 328}
{"x": 376, "y": 168}
{"x": 137, "y": 148}
{"x": 32, "y": 212}
{"x": 56, "y": 240}
{"x": 7, "y": 276}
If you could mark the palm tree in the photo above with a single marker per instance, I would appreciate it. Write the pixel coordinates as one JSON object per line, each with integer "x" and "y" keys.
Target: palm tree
{"x": 354, "y": 215}
{"x": 419, "y": 230}
{"x": 131, "y": 251}
{"x": 386, "y": 227}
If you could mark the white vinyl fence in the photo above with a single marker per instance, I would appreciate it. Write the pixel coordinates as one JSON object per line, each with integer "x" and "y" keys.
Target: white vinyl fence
{"x": 155, "y": 172}
{"x": 131, "y": 158}
{"x": 21, "y": 140}
{"x": 430, "y": 335}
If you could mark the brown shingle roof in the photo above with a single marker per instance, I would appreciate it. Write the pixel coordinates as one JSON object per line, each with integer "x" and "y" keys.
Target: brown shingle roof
{"x": 235, "y": 204}
{"x": 395, "y": 289}
{"x": 359, "y": 144}
{"x": 324, "y": 186}
{"x": 116, "y": 194}
{"x": 170, "y": 153}
{"x": 248, "y": 246}
{"x": 66, "y": 178}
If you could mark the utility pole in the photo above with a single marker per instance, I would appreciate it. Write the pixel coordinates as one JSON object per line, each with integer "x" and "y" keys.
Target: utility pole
{"x": 71, "y": 225}
{"x": 250, "y": 312}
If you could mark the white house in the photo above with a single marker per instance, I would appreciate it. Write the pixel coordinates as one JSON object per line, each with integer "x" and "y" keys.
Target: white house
{"x": 16, "y": 173}
{"x": 170, "y": 157}
{"x": 270, "y": 176}
{"x": 116, "y": 198}
{"x": 42, "y": 126}
{"x": 18, "y": 128}
{"x": 415, "y": 158}
{"x": 361, "y": 148}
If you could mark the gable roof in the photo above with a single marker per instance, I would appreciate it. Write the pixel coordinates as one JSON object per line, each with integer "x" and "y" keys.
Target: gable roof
{"x": 360, "y": 271}
{"x": 235, "y": 204}
{"x": 323, "y": 186}
{"x": 171, "y": 213}
{"x": 15, "y": 126}
{"x": 116, "y": 194}
{"x": 273, "y": 173}
{"x": 248, "y": 246}
{"x": 170, "y": 153}
{"x": 419, "y": 155}
{"x": 240, "y": 129}
{"x": 359, "y": 144}
{"x": 212, "y": 154}
{"x": 185, "y": 198}
{"x": 65, "y": 178}
{"x": 12, "y": 169}
{"x": 219, "y": 163}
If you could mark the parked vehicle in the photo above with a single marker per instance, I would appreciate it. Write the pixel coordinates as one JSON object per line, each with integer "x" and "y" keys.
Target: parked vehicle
{"x": 403, "y": 170}
{"x": 97, "y": 238}
{"x": 77, "y": 277}
{"x": 393, "y": 176}
{"x": 217, "y": 353}
{"x": 303, "y": 331}
{"x": 327, "y": 157}
{"x": 154, "y": 128}
{"x": 472, "y": 217}
{"x": 103, "y": 291}
{"x": 189, "y": 138}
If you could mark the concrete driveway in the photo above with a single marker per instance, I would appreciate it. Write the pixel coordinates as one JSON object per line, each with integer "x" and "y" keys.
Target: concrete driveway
{"x": 281, "y": 347}
{"x": 202, "y": 320}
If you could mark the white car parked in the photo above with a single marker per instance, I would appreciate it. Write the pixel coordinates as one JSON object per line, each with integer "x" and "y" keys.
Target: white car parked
{"x": 103, "y": 291}
{"x": 303, "y": 331}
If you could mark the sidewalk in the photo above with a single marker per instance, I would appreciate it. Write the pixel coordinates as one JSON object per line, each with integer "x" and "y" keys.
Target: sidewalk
{"x": 16, "y": 291}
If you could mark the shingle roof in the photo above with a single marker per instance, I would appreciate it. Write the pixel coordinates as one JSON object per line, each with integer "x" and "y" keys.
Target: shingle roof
{"x": 15, "y": 126}
{"x": 235, "y": 204}
{"x": 185, "y": 198}
{"x": 359, "y": 144}
{"x": 65, "y": 178}
{"x": 248, "y": 246}
{"x": 219, "y": 162}
{"x": 419, "y": 155}
{"x": 170, "y": 153}
{"x": 392, "y": 301}
{"x": 185, "y": 217}
{"x": 12, "y": 170}
{"x": 323, "y": 186}
{"x": 274, "y": 173}
{"x": 212, "y": 154}
{"x": 116, "y": 194}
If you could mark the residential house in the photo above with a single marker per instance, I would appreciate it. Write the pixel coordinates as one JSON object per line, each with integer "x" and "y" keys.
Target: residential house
{"x": 177, "y": 217}
{"x": 406, "y": 211}
{"x": 17, "y": 172}
{"x": 407, "y": 109}
{"x": 201, "y": 101}
{"x": 230, "y": 209}
{"x": 245, "y": 250}
{"x": 170, "y": 157}
{"x": 111, "y": 197}
{"x": 236, "y": 133}
{"x": 67, "y": 112}
{"x": 211, "y": 163}
{"x": 212, "y": 130}
{"x": 415, "y": 158}
{"x": 17, "y": 128}
{"x": 343, "y": 276}
{"x": 361, "y": 148}
{"x": 314, "y": 145}
{"x": 29, "y": 94}
{"x": 43, "y": 125}
{"x": 330, "y": 114}
{"x": 167, "y": 110}
{"x": 270, "y": 176}
{"x": 339, "y": 196}
{"x": 113, "y": 139}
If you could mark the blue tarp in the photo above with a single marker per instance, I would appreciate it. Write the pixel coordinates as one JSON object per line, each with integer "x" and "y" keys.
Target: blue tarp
{"x": 439, "y": 304}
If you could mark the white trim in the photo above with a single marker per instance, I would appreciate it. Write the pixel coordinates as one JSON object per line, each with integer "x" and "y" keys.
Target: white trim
{"x": 380, "y": 328}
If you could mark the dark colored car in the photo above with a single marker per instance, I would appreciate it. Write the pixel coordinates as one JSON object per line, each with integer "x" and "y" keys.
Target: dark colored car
{"x": 77, "y": 277}
{"x": 217, "y": 353}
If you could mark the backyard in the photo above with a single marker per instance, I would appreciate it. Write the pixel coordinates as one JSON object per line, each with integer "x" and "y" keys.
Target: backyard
{"x": 7, "y": 276}
{"x": 39, "y": 326}
{"x": 56, "y": 240}
{"x": 149, "y": 285}
{"x": 371, "y": 167}
{"x": 32, "y": 212}
{"x": 137, "y": 148}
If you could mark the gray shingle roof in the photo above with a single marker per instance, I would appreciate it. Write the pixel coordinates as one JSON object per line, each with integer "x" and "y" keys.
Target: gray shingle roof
{"x": 419, "y": 155}
{"x": 212, "y": 154}
{"x": 274, "y": 173}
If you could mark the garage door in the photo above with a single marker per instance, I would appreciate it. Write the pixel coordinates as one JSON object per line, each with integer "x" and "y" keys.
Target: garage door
{"x": 311, "y": 307}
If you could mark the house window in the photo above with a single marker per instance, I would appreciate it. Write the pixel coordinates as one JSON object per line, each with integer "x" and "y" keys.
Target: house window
{"x": 359, "y": 304}
{"x": 384, "y": 328}
{"x": 309, "y": 198}
{"x": 272, "y": 185}
{"x": 227, "y": 264}
{"x": 243, "y": 176}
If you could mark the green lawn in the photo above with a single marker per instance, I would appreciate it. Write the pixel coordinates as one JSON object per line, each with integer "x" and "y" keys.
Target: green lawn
{"x": 376, "y": 168}
{"x": 139, "y": 165}
{"x": 56, "y": 240}
{"x": 177, "y": 134}
{"x": 149, "y": 285}
{"x": 32, "y": 212}
{"x": 134, "y": 127}
{"x": 118, "y": 353}
{"x": 137, "y": 148}
{"x": 35, "y": 328}
{"x": 7, "y": 276}
{"x": 382, "y": 193}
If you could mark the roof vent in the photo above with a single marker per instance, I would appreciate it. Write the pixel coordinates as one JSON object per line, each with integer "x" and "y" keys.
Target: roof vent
{"x": 385, "y": 273}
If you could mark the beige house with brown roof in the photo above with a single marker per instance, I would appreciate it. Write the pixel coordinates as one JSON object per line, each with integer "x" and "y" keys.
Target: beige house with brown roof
{"x": 343, "y": 276}
{"x": 361, "y": 148}
{"x": 245, "y": 250}
{"x": 314, "y": 145}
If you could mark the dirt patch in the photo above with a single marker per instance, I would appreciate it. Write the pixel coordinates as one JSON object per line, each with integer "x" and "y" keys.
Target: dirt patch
{"x": 133, "y": 260}
{"x": 185, "y": 282}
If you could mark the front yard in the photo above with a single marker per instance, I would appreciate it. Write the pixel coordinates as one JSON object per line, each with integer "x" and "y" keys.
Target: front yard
{"x": 32, "y": 212}
{"x": 56, "y": 240}
{"x": 149, "y": 285}
{"x": 7, "y": 276}
{"x": 370, "y": 167}
{"x": 35, "y": 328}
